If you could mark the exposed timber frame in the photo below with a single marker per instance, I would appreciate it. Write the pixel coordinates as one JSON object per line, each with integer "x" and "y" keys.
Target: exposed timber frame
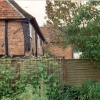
{"x": 6, "y": 37}
{"x": 36, "y": 45}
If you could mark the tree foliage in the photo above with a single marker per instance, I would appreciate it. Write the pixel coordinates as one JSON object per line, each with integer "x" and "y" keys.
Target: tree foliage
{"x": 79, "y": 24}
{"x": 59, "y": 13}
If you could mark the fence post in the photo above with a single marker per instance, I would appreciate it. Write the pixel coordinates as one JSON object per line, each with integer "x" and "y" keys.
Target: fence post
{"x": 64, "y": 70}
{"x": 18, "y": 68}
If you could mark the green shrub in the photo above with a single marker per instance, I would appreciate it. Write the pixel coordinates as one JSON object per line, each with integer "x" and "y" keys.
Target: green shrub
{"x": 90, "y": 90}
{"x": 68, "y": 92}
{"x": 39, "y": 84}
{"x": 13, "y": 83}
{"x": 32, "y": 94}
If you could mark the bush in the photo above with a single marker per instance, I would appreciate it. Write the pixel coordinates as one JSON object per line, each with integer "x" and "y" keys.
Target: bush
{"x": 14, "y": 83}
{"x": 39, "y": 85}
{"x": 90, "y": 90}
{"x": 68, "y": 92}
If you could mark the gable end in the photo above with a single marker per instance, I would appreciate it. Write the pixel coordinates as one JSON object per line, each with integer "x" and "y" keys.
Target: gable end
{"x": 7, "y": 11}
{"x": 15, "y": 9}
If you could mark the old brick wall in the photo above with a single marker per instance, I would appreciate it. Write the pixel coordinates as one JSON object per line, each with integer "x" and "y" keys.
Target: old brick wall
{"x": 55, "y": 50}
{"x": 15, "y": 31}
{"x": 67, "y": 53}
{"x": 15, "y": 38}
{"x": 2, "y": 38}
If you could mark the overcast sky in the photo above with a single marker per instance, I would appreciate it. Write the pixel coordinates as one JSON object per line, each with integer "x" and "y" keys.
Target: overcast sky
{"x": 35, "y": 8}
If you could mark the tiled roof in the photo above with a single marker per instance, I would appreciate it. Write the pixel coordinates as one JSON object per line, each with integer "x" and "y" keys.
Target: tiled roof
{"x": 48, "y": 34}
{"x": 45, "y": 32}
{"x": 52, "y": 35}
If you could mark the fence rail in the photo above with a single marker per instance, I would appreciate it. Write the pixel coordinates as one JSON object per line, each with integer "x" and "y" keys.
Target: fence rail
{"x": 72, "y": 71}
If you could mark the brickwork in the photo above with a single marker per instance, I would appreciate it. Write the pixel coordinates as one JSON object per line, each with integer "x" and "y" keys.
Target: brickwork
{"x": 16, "y": 33}
{"x": 7, "y": 11}
{"x": 2, "y": 38}
{"x": 67, "y": 53}
{"x": 15, "y": 38}
{"x": 49, "y": 35}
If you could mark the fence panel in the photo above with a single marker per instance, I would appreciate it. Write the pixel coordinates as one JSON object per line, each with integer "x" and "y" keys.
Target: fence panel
{"x": 33, "y": 64}
{"x": 72, "y": 71}
{"x": 77, "y": 71}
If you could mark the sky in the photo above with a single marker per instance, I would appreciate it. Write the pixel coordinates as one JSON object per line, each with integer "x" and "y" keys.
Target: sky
{"x": 36, "y": 8}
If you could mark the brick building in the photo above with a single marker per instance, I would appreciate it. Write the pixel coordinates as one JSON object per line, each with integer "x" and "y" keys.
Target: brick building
{"x": 55, "y": 49}
{"x": 20, "y": 34}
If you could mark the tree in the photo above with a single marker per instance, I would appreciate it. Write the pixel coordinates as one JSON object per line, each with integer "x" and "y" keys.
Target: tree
{"x": 82, "y": 28}
{"x": 59, "y": 13}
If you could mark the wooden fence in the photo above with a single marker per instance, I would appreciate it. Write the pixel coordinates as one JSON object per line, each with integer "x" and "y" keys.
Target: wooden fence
{"x": 78, "y": 71}
{"x": 72, "y": 71}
